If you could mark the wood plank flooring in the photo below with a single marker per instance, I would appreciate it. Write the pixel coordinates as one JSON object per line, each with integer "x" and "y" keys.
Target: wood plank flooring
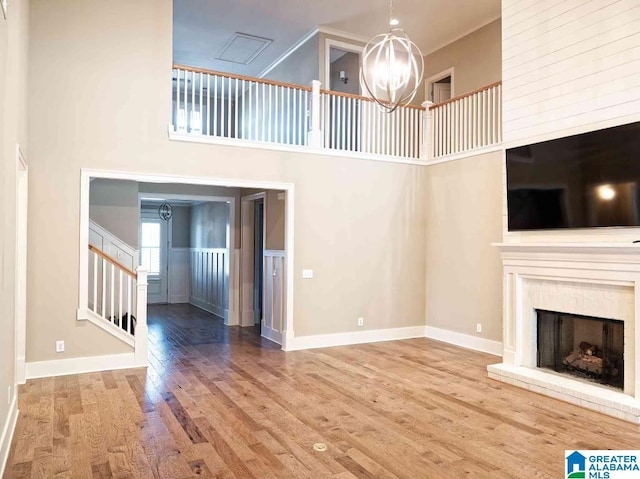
{"x": 220, "y": 402}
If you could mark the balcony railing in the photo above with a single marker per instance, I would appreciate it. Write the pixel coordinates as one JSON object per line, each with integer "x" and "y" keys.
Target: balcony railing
{"x": 229, "y": 106}
{"x": 465, "y": 123}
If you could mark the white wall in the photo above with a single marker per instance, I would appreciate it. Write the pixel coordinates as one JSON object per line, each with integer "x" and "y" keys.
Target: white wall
{"x": 13, "y": 131}
{"x": 569, "y": 67}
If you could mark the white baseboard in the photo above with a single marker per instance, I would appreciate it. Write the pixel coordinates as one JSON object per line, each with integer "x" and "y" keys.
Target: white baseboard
{"x": 179, "y": 299}
{"x": 62, "y": 367}
{"x": 276, "y": 337}
{"x": 21, "y": 375}
{"x": 247, "y": 318}
{"x": 354, "y": 337}
{"x": 464, "y": 340}
{"x": 211, "y": 308}
{"x": 233, "y": 317}
{"x": 7, "y": 433}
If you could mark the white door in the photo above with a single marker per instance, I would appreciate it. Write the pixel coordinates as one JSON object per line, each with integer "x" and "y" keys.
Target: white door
{"x": 441, "y": 92}
{"x": 153, "y": 256}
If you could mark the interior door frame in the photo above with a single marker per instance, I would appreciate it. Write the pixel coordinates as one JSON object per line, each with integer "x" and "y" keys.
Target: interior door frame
{"x": 22, "y": 197}
{"x": 437, "y": 77}
{"x": 289, "y": 189}
{"x": 330, "y": 43}
{"x": 247, "y": 232}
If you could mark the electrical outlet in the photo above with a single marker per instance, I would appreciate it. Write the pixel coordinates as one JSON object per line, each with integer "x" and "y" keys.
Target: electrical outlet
{"x": 478, "y": 328}
{"x": 307, "y": 274}
{"x": 59, "y": 346}
{"x": 360, "y": 321}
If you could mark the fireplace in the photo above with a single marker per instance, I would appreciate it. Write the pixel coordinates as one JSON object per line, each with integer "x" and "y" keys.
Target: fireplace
{"x": 585, "y": 347}
{"x": 591, "y": 285}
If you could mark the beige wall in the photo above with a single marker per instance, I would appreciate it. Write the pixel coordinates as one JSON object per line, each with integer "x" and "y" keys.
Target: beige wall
{"x": 368, "y": 258}
{"x": 476, "y": 59}
{"x": 464, "y": 272}
{"x": 13, "y": 130}
{"x": 274, "y": 221}
{"x": 113, "y": 204}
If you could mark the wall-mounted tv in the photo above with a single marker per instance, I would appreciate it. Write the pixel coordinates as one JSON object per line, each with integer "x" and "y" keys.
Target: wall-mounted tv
{"x": 581, "y": 181}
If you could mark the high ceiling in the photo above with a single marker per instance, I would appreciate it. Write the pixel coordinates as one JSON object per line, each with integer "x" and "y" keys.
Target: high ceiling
{"x": 203, "y": 27}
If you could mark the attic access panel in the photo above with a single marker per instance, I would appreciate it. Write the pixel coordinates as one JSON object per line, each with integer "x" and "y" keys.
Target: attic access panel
{"x": 243, "y": 48}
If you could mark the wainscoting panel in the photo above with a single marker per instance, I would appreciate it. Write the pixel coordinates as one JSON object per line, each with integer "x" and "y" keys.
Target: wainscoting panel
{"x": 209, "y": 285}
{"x": 179, "y": 275}
{"x": 274, "y": 303}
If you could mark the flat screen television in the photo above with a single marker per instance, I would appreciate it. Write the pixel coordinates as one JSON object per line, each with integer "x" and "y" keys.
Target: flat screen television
{"x": 581, "y": 181}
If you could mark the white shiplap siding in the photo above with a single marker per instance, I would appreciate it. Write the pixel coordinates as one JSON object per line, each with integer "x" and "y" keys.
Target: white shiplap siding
{"x": 569, "y": 66}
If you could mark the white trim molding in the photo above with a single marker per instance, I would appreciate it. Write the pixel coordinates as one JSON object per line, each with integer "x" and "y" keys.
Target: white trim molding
{"x": 449, "y": 72}
{"x": 7, "y": 432}
{"x": 91, "y": 364}
{"x": 466, "y": 341}
{"x": 465, "y": 154}
{"x": 354, "y": 337}
{"x": 85, "y": 179}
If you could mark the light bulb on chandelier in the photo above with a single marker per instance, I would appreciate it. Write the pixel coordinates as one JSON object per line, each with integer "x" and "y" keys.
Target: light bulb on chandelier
{"x": 392, "y": 67}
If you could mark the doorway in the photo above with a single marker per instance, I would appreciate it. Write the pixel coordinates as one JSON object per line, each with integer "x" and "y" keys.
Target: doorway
{"x": 154, "y": 246}
{"x": 258, "y": 260}
{"x": 240, "y": 291}
{"x": 440, "y": 87}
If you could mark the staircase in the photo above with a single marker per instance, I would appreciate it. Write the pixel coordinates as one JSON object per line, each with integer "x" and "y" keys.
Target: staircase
{"x": 117, "y": 301}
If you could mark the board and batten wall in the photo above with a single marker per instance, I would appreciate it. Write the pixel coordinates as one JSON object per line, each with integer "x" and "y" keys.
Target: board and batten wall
{"x": 569, "y": 67}
{"x": 209, "y": 257}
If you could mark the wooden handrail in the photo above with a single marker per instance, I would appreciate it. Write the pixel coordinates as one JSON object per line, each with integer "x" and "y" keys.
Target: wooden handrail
{"x": 242, "y": 77}
{"x": 471, "y": 93}
{"x": 109, "y": 259}
{"x": 365, "y": 98}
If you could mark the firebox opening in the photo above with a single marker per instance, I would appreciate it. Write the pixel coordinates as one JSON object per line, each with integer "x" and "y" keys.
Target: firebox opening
{"x": 582, "y": 346}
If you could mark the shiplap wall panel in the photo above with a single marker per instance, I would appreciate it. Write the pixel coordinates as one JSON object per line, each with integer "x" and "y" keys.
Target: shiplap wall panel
{"x": 569, "y": 67}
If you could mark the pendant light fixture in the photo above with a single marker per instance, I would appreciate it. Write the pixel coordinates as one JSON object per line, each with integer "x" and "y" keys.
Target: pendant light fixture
{"x": 392, "y": 67}
{"x": 165, "y": 211}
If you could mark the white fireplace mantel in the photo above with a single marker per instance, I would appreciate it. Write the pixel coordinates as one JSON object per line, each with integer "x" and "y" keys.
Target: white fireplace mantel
{"x": 592, "y": 279}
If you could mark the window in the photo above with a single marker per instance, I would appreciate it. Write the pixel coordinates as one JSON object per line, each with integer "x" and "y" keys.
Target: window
{"x": 150, "y": 246}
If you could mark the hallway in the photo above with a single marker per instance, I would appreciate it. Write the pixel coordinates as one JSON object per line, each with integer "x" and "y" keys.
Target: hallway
{"x": 221, "y": 402}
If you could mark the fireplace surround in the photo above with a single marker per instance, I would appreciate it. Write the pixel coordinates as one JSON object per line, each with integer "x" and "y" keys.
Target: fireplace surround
{"x": 584, "y": 281}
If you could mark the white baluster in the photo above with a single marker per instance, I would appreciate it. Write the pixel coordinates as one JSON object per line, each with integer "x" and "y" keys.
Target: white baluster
{"x": 215, "y": 105}
{"x": 243, "y": 113}
{"x": 129, "y": 311}
{"x": 95, "y": 283}
{"x": 235, "y": 113}
{"x": 112, "y": 297}
{"x": 229, "y": 113}
{"x": 104, "y": 288}
{"x": 208, "y": 130}
{"x": 120, "y": 295}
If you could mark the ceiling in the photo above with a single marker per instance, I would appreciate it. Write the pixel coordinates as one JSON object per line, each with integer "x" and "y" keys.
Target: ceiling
{"x": 202, "y": 28}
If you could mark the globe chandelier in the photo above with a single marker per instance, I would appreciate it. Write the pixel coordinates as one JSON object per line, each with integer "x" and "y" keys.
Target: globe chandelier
{"x": 392, "y": 67}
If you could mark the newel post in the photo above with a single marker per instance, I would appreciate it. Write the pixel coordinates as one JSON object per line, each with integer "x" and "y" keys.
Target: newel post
{"x": 427, "y": 139}
{"x": 315, "y": 132}
{"x": 141, "y": 345}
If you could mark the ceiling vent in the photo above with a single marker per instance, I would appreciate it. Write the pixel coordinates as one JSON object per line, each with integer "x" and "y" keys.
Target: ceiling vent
{"x": 242, "y": 48}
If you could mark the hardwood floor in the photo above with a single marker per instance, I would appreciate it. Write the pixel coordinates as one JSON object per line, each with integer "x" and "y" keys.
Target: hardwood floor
{"x": 221, "y": 402}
